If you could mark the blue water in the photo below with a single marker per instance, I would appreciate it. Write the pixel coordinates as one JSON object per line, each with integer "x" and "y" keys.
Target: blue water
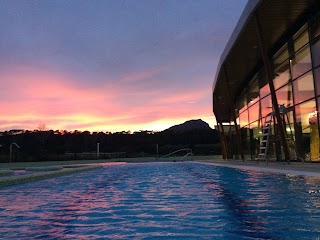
{"x": 163, "y": 201}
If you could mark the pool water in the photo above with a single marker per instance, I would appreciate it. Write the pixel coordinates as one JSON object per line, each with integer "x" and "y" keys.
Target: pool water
{"x": 163, "y": 201}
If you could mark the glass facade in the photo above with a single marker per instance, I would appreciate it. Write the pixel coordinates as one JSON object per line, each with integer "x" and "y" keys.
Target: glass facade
{"x": 296, "y": 67}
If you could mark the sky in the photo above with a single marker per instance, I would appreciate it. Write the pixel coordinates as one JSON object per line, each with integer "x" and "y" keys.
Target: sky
{"x": 110, "y": 65}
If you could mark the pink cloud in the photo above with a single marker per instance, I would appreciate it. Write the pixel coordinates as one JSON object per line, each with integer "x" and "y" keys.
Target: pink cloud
{"x": 30, "y": 97}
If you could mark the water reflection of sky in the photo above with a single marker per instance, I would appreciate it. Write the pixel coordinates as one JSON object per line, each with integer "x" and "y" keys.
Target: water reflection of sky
{"x": 172, "y": 200}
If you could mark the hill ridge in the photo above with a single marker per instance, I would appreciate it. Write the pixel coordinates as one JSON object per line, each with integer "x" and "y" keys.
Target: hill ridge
{"x": 195, "y": 124}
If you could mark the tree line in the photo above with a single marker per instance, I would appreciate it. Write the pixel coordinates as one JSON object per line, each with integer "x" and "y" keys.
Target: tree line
{"x": 47, "y": 145}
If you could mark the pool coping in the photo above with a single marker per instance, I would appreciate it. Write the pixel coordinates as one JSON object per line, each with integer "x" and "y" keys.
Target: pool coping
{"x": 306, "y": 169}
{"x": 36, "y": 176}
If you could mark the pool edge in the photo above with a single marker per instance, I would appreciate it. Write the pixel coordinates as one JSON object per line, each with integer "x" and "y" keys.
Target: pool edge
{"x": 284, "y": 169}
{"x": 14, "y": 180}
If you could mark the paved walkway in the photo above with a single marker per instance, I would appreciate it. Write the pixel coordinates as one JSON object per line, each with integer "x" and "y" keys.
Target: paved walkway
{"x": 298, "y": 168}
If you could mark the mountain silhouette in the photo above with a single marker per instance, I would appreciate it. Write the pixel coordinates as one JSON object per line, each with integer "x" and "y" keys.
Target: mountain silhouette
{"x": 190, "y": 126}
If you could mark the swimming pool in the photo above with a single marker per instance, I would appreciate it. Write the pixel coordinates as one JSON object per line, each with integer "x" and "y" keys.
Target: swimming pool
{"x": 163, "y": 201}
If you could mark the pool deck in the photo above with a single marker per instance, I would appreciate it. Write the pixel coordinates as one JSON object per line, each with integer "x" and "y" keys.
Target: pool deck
{"x": 298, "y": 168}
{"x": 41, "y": 173}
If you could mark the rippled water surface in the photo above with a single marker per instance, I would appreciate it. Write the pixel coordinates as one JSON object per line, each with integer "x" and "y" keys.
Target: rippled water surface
{"x": 163, "y": 201}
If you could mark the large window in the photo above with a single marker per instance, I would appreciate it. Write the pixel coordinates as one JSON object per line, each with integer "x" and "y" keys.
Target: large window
{"x": 315, "y": 26}
{"x": 264, "y": 91}
{"x": 253, "y": 93}
{"x": 242, "y": 103}
{"x": 289, "y": 124}
{"x": 315, "y": 49}
{"x": 316, "y": 73}
{"x": 305, "y": 114}
{"x": 243, "y": 118}
{"x": 266, "y": 106}
{"x": 255, "y": 135}
{"x": 296, "y": 80}
{"x": 282, "y": 74}
{"x": 301, "y": 63}
{"x": 284, "y": 95}
{"x": 301, "y": 38}
{"x": 303, "y": 88}
{"x": 301, "y": 60}
{"x": 263, "y": 85}
{"x": 245, "y": 138}
{"x": 316, "y": 53}
{"x": 281, "y": 67}
{"x": 254, "y": 111}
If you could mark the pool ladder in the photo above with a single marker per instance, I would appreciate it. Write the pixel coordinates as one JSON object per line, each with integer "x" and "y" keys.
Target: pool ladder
{"x": 266, "y": 130}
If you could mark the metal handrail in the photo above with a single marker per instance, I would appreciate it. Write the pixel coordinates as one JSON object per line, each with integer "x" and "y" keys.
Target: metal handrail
{"x": 188, "y": 154}
{"x": 188, "y": 150}
{"x": 11, "y": 149}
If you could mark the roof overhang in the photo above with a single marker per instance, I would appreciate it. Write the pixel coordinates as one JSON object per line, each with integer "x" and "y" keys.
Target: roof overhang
{"x": 241, "y": 58}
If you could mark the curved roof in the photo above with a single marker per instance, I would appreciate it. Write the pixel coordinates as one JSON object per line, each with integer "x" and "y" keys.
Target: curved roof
{"x": 241, "y": 58}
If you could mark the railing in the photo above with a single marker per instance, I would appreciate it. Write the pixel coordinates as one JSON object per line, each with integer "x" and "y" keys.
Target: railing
{"x": 12, "y": 144}
{"x": 187, "y": 150}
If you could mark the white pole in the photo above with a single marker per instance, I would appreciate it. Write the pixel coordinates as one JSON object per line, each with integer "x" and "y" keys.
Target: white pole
{"x": 157, "y": 149}
{"x": 10, "y": 151}
{"x": 98, "y": 150}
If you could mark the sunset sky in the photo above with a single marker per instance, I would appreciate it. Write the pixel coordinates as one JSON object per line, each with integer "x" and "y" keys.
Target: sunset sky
{"x": 110, "y": 65}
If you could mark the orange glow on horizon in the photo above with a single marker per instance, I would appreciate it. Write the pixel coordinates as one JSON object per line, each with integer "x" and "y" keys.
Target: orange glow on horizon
{"x": 34, "y": 97}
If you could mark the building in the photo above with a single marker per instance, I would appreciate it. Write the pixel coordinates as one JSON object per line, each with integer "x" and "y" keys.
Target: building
{"x": 270, "y": 68}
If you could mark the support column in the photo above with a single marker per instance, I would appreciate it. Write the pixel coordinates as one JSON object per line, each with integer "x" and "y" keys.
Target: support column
{"x": 223, "y": 141}
{"x": 222, "y": 135}
{"x": 223, "y": 149}
{"x": 270, "y": 76}
{"x": 232, "y": 109}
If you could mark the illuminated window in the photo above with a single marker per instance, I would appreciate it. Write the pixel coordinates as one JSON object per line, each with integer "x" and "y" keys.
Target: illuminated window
{"x": 306, "y": 123}
{"x": 301, "y": 38}
{"x": 316, "y": 73}
{"x": 316, "y": 53}
{"x": 264, "y": 91}
{"x": 281, "y": 67}
{"x": 315, "y": 45}
{"x": 303, "y": 113}
{"x": 242, "y": 104}
{"x": 253, "y": 93}
{"x": 282, "y": 75}
{"x": 301, "y": 63}
{"x": 284, "y": 96}
{"x": 266, "y": 106}
{"x": 254, "y": 111}
{"x": 303, "y": 88}
{"x": 243, "y": 118}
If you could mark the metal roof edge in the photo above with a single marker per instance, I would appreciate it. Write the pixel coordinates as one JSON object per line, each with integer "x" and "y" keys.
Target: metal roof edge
{"x": 242, "y": 22}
